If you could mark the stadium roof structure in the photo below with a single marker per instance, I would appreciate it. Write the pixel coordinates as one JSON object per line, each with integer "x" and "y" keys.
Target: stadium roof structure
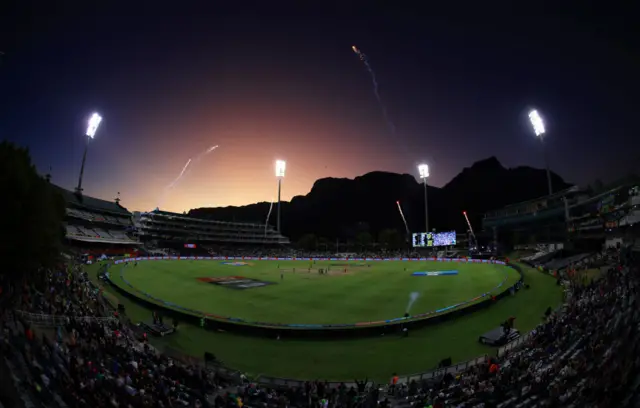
{"x": 536, "y": 204}
{"x": 188, "y": 217}
{"x": 91, "y": 203}
{"x": 103, "y": 240}
{"x": 559, "y": 194}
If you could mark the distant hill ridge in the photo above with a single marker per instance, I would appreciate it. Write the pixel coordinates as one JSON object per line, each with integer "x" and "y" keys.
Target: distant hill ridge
{"x": 340, "y": 207}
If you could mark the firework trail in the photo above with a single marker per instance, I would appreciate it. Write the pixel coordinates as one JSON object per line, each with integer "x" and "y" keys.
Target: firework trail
{"x": 363, "y": 58}
{"x": 209, "y": 150}
{"x": 402, "y": 215}
{"x": 192, "y": 162}
{"x": 181, "y": 173}
{"x": 266, "y": 224}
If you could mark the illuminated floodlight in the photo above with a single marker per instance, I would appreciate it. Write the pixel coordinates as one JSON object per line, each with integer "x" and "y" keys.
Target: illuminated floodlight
{"x": 423, "y": 169}
{"x": 536, "y": 122}
{"x": 94, "y": 122}
{"x": 281, "y": 166}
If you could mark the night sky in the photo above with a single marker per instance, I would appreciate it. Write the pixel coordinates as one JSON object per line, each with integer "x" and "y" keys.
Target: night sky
{"x": 285, "y": 84}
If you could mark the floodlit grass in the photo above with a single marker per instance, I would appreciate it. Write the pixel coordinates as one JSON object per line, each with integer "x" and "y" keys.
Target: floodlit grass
{"x": 364, "y": 294}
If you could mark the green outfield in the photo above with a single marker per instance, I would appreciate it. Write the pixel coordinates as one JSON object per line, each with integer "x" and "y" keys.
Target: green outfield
{"x": 381, "y": 291}
{"x": 295, "y": 292}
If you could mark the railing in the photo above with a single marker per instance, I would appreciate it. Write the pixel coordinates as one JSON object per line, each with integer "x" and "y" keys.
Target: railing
{"x": 514, "y": 344}
{"x": 454, "y": 369}
{"x": 287, "y": 382}
{"x": 217, "y": 367}
{"x": 405, "y": 379}
{"x": 85, "y": 238}
{"x": 442, "y": 371}
{"x": 46, "y": 320}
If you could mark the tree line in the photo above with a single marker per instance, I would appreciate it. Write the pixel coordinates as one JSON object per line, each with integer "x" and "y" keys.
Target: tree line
{"x": 31, "y": 216}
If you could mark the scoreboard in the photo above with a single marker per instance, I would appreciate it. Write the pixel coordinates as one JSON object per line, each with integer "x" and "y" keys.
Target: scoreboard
{"x": 422, "y": 239}
{"x": 434, "y": 239}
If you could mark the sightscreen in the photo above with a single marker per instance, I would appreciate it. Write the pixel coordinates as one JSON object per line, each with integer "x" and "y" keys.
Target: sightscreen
{"x": 434, "y": 239}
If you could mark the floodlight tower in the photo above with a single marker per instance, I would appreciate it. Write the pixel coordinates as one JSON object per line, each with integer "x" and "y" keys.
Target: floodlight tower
{"x": 423, "y": 169}
{"x": 281, "y": 166}
{"x": 92, "y": 128}
{"x": 539, "y": 130}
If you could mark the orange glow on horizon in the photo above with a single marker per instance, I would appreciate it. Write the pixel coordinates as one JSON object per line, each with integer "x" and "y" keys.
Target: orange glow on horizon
{"x": 233, "y": 175}
{"x": 240, "y": 171}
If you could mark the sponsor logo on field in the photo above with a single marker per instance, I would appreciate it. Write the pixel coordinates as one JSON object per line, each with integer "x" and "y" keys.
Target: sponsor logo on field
{"x": 435, "y": 273}
{"x": 235, "y": 282}
{"x": 237, "y": 263}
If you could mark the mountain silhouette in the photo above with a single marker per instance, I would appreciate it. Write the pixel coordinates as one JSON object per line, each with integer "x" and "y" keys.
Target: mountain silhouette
{"x": 340, "y": 207}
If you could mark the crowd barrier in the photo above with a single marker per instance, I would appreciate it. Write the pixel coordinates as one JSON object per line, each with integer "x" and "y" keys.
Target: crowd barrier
{"x": 216, "y": 322}
{"x": 456, "y": 368}
{"x": 406, "y": 379}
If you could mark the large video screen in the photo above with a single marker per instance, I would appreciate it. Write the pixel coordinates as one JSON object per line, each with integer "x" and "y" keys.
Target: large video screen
{"x": 434, "y": 239}
{"x": 189, "y": 245}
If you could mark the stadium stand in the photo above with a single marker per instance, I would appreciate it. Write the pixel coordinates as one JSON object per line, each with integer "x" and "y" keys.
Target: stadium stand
{"x": 90, "y": 219}
{"x": 562, "y": 263}
{"x": 181, "y": 227}
{"x": 540, "y": 257}
{"x": 534, "y": 211}
{"x": 572, "y": 216}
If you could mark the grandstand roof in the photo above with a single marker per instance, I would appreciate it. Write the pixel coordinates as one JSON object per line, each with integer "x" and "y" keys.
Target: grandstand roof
{"x": 196, "y": 219}
{"x": 559, "y": 194}
{"x": 91, "y": 203}
{"x": 103, "y": 240}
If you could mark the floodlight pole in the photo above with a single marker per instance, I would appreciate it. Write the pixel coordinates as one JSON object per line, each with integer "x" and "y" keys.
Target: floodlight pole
{"x": 281, "y": 165}
{"x": 423, "y": 170}
{"x": 84, "y": 159}
{"x": 426, "y": 207}
{"x": 539, "y": 130}
{"x": 546, "y": 164}
{"x": 94, "y": 122}
{"x": 279, "y": 190}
